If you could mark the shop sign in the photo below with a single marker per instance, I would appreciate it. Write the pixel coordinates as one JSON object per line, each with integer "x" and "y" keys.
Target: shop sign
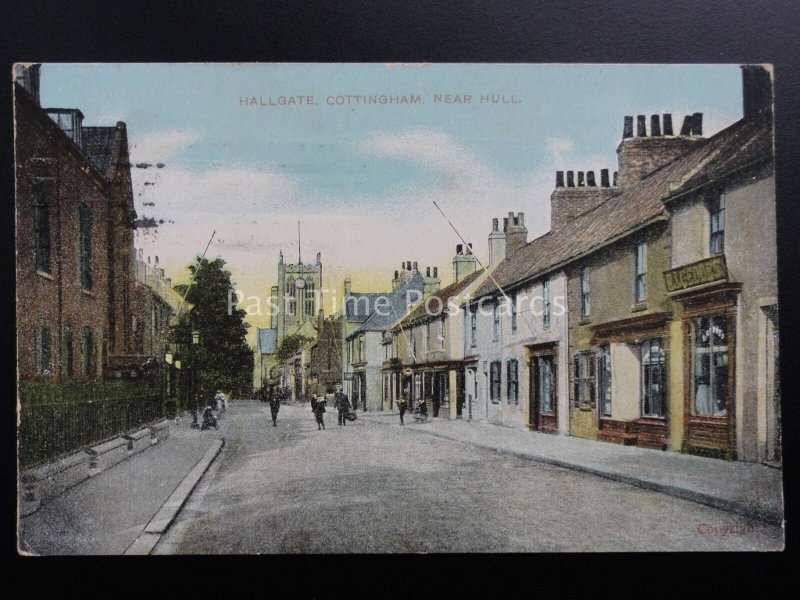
{"x": 698, "y": 273}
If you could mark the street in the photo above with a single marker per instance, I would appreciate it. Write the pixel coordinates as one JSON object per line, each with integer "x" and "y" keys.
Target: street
{"x": 371, "y": 488}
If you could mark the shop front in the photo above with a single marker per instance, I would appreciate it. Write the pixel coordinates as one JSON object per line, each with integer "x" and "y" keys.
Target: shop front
{"x": 709, "y": 348}
{"x": 631, "y": 380}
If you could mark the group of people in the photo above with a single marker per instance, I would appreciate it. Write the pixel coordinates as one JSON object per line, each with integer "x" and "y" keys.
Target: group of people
{"x": 318, "y": 406}
{"x": 340, "y": 402}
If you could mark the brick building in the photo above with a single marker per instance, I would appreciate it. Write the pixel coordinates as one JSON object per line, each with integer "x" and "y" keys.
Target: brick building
{"x": 74, "y": 224}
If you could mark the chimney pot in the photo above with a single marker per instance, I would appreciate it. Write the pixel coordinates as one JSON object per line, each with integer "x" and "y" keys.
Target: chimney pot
{"x": 686, "y": 128}
{"x": 408, "y": 265}
{"x": 590, "y": 179}
{"x": 495, "y": 225}
{"x": 655, "y": 125}
{"x": 520, "y": 219}
{"x": 580, "y": 179}
{"x": 641, "y": 128}
{"x": 627, "y": 129}
{"x": 604, "y": 177}
{"x": 570, "y": 179}
{"x": 616, "y": 175}
{"x": 459, "y": 248}
{"x": 667, "y": 124}
{"x": 435, "y": 272}
{"x": 415, "y": 265}
{"x": 427, "y": 272}
{"x": 396, "y": 274}
{"x": 559, "y": 179}
{"x": 697, "y": 123}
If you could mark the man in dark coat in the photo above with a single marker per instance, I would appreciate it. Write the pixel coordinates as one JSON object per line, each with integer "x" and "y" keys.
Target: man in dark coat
{"x": 319, "y": 411}
{"x": 274, "y": 407}
{"x": 342, "y": 404}
{"x": 402, "y": 405}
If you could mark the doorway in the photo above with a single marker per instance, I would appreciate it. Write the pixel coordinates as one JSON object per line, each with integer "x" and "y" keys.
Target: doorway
{"x": 543, "y": 401}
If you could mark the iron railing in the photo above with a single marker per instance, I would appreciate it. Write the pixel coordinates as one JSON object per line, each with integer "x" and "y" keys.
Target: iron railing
{"x": 48, "y": 430}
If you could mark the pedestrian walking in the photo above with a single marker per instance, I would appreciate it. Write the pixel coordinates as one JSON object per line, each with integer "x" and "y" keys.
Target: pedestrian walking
{"x": 342, "y": 404}
{"x": 319, "y": 412}
{"x": 402, "y": 405}
{"x": 274, "y": 407}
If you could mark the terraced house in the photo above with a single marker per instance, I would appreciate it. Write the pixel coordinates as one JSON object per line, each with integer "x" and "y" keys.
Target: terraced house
{"x": 367, "y": 316}
{"x": 669, "y": 334}
{"x": 424, "y": 349}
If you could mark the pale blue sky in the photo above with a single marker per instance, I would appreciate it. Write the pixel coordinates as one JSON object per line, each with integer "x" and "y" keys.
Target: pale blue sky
{"x": 362, "y": 178}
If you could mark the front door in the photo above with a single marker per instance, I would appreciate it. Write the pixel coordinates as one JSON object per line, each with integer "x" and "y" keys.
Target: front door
{"x": 542, "y": 401}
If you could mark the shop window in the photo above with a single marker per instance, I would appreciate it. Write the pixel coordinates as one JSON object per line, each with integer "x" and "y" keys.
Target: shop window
{"x": 85, "y": 246}
{"x": 44, "y": 362}
{"x": 585, "y": 305}
{"x": 584, "y": 379}
{"x": 512, "y": 377}
{"x": 640, "y": 269}
{"x": 710, "y": 387}
{"x": 41, "y": 225}
{"x": 717, "y": 225}
{"x": 604, "y": 379}
{"x": 494, "y": 381}
{"x": 654, "y": 380}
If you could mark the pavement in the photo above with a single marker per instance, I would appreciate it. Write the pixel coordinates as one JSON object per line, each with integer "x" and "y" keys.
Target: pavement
{"x": 752, "y": 490}
{"x": 126, "y": 508}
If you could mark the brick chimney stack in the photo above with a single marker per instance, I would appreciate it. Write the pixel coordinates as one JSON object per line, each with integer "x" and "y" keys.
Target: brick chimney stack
{"x": 756, "y": 91}
{"x": 516, "y": 232}
{"x": 641, "y": 155}
{"x": 497, "y": 243}
{"x": 464, "y": 262}
{"x": 430, "y": 284}
{"x": 28, "y": 76}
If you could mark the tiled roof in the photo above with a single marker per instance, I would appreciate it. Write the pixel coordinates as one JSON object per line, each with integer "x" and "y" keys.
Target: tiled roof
{"x": 396, "y": 299}
{"x": 98, "y": 146}
{"x": 750, "y": 142}
{"x": 444, "y": 295}
{"x": 634, "y": 207}
{"x": 356, "y": 309}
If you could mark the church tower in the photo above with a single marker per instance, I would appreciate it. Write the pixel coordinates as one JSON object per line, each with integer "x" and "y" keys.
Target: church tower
{"x": 298, "y": 295}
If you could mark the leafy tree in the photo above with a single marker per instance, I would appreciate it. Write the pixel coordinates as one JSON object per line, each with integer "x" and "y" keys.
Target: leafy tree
{"x": 290, "y": 345}
{"x": 222, "y": 360}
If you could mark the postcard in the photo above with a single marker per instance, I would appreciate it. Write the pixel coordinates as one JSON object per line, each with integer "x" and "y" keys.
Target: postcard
{"x": 396, "y": 308}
